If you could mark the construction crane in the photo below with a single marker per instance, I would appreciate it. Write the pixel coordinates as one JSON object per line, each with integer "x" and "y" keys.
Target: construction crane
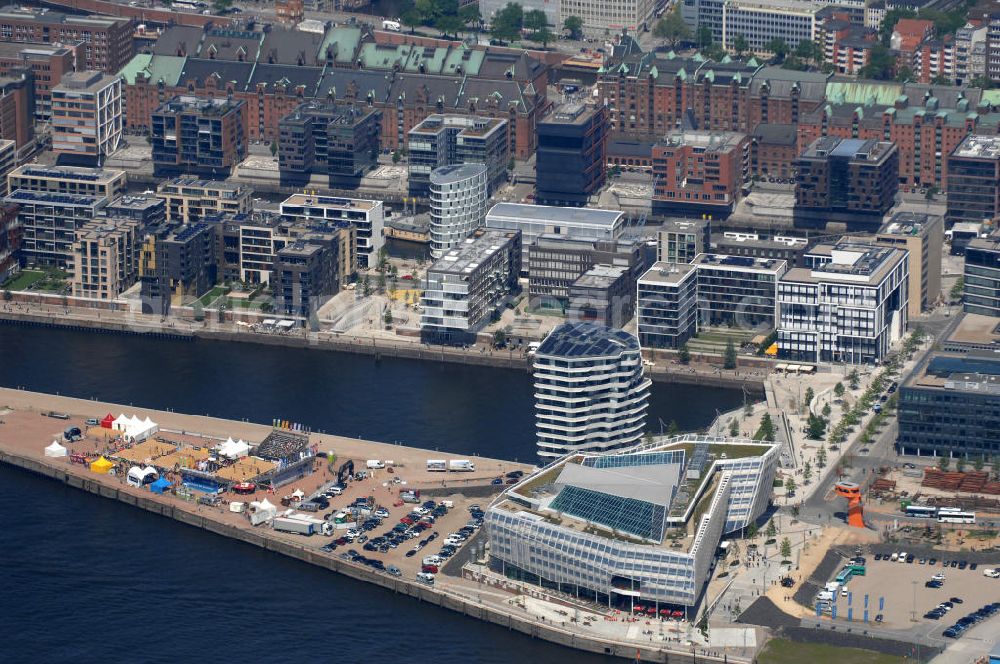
{"x": 852, "y": 492}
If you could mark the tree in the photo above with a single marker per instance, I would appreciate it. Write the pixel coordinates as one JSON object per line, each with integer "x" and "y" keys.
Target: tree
{"x": 983, "y": 82}
{"x": 889, "y": 23}
{"x": 960, "y": 465}
{"x": 471, "y": 17}
{"x": 881, "y": 64}
{"x": 809, "y": 51}
{"x": 274, "y": 148}
{"x": 7, "y": 295}
{"x": 734, "y": 428}
{"x": 704, "y": 36}
{"x": 790, "y": 485}
{"x": 673, "y": 429}
{"x": 534, "y": 19}
{"x": 943, "y": 463}
{"x": 940, "y": 79}
{"x": 499, "y": 339}
{"x": 508, "y": 22}
{"x": 771, "y": 530}
{"x": 810, "y": 395}
{"x": 672, "y": 28}
{"x": 826, "y": 410}
{"x": 958, "y": 289}
{"x": 411, "y": 19}
{"x": 574, "y": 26}
{"x": 729, "y": 359}
{"x": 683, "y": 354}
{"x": 807, "y": 472}
{"x": 751, "y": 530}
{"x": 779, "y": 47}
{"x": 543, "y": 36}
{"x": 740, "y": 45}
{"x": 396, "y": 156}
{"x": 978, "y": 463}
{"x": 221, "y": 6}
{"x": 903, "y": 75}
{"x": 838, "y": 390}
{"x": 853, "y": 379}
{"x": 821, "y": 457}
{"x": 449, "y": 25}
{"x": 794, "y": 63}
{"x": 388, "y": 317}
{"x": 786, "y": 548}
{"x": 766, "y": 430}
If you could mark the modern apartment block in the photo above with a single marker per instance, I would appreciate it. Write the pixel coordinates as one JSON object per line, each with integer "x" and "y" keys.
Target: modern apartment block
{"x": 147, "y": 210}
{"x": 604, "y": 294}
{"x": 598, "y": 17}
{"x": 847, "y": 179}
{"x": 699, "y": 173}
{"x": 973, "y": 174}
{"x": 571, "y": 160}
{"x": 982, "y": 277}
{"x": 950, "y": 406}
{"x": 190, "y": 199}
{"x": 49, "y": 222}
{"x": 850, "y": 305}
{"x": 667, "y": 305}
{"x": 536, "y": 220}
{"x": 87, "y": 116}
{"x": 752, "y": 245}
{"x": 177, "y": 263}
{"x": 198, "y": 136}
{"x": 757, "y": 21}
{"x": 306, "y": 273}
{"x": 10, "y": 240}
{"x": 100, "y": 182}
{"x": 555, "y": 262}
{"x": 464, "y": 288}
{"x": 447, "y": 140}
{"x": 367, "y": 217}
{"x": 48, "y": 64}
{"x": 680, "y": 240}
{"x": 738, "y": 291}
{"x": 106, "y": 257}
{"x": 633, "y": 527}
{"x": 590, "y": 390}
{"x": 458, "y": 204}
{"x": 8, "y": 160}
{"x": 106, "y": 41}
{"x": 922, "y": 236}
{"x": 17, "y": 109}
{"x": 341, "y": 143}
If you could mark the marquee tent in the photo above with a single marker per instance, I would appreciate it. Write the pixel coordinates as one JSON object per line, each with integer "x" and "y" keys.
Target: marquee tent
{"x": 108, "y": 421}
{"x": 262, "y": 511}
{"x": 232, "y": 449}
{"x": 56, "y": 450}
{"x": 139, "y": 476}
{"x": 101, "y": 466}
{"x": 160, "y": 485}
{"x": 134, "y": 428}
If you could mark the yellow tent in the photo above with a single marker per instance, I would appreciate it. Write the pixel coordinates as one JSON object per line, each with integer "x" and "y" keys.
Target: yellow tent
{"x": 772, "y": 350}
{"x": 101, "y": 466}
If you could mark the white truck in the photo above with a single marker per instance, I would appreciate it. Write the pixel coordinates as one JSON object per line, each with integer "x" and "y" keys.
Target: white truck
{"x": 297, "y": 526}
{"x": 437, "y": 466}
{"x": 461, "y": 465}
{"x": 375, "y": 464}
{"x": 391, "y": 26}
{"x": 319, "y": 526}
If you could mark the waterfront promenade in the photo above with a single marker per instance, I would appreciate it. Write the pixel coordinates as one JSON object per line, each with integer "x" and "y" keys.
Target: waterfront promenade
{"x": 51, "y": 311}
{"x": 26, "y": 430}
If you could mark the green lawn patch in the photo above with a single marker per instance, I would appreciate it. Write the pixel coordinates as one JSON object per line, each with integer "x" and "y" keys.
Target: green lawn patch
{"x": 24, "y": 280}
{"x": 783, "y": 651}
{"x": 212, "y": 295}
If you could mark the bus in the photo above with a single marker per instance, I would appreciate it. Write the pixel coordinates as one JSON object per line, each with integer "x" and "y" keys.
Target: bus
{"x": 956, "y": 516}
{"x": 921, "y": 511}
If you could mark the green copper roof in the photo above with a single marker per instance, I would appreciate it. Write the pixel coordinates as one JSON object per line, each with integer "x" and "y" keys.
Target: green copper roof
{"x": 868, "y": 93}
{"x": 344, "y": 40}
{"x": 991, "y": 97}
{"x": 166, "y": 67}
{"x": 469, "y": 60}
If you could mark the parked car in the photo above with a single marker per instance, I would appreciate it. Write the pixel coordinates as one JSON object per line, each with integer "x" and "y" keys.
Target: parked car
{"x": 429, "y": 569}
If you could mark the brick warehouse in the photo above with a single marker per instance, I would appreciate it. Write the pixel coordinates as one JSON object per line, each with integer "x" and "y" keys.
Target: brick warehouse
{"x": 276, "y": 71}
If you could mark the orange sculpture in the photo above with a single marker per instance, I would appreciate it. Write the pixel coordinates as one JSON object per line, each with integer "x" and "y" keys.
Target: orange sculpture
{"x": 855, "y": 513}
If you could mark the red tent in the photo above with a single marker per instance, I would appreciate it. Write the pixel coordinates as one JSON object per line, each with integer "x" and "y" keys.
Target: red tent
{"x": 107, "y": 421}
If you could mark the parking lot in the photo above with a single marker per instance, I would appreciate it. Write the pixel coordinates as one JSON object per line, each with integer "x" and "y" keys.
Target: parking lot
{"x": 904, "y": 587}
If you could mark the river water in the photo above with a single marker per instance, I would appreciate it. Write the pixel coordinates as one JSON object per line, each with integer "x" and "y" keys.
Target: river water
{"x": 92, "y": 580}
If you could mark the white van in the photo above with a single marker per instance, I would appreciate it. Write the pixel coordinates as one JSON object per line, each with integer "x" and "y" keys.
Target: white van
{"x": 433, "y": 560}
{"x": 533, "y": 347}
{"x": 375, "y": 464}
{"x": 894, "y": 557}
{"x": 902, "y": 557}
{"x": 425, "y": 577}
{"x": 391, "y": 26}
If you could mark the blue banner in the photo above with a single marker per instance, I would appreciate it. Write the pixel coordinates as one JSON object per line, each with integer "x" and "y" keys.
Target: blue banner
{"x": 881, "y": 604}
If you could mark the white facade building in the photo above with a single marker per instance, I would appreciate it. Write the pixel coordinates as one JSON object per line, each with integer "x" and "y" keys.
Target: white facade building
{"x": 367, "y": 216}
{"x": 590, "y": 391}
{"x": 87, "y": 115}
{"x": 598, "y": 17}
{"x": 458, "y": 204}
{"x": 597, "y": 523}
{"x": 848, "y": 305}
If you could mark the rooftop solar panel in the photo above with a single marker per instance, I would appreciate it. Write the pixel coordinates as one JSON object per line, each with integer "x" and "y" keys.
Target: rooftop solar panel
{"x": 635, "y": 517}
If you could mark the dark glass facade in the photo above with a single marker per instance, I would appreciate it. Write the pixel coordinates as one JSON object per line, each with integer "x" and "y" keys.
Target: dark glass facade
{"x": 570, "y": 162}
{"x": 342, "y": 142}
{"x": 982, "y": 277}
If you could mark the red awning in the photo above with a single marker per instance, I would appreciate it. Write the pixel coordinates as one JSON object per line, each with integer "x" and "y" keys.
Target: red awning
{"x": 107, "y": 421}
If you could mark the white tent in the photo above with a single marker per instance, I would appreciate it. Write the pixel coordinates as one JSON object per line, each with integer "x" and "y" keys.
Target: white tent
{"x": 261, "y": 512}
{"x": 121, "y": 422}
{"x": 56, "y": 450}
{"x": 138, "y": 476}
{"x": 135, "y": 428}
{"x": 232, "y": 449}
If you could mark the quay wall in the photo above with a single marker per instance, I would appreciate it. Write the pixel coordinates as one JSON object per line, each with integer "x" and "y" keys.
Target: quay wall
{"x": 420, "y": 592}
{"x": 377, "y": 348}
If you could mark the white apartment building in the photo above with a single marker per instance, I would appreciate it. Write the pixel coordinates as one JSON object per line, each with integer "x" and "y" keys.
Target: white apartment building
{"x": 760, "y": 21}
{"x": 848, "y": 305}
{"x": 598, "y": 17}
{"x": 463, "y": 288}
{"x": 190, "y": 199}
{"x": 367, "y": 216}
{"x": 458, "y": 204}
{"x": 87, "y": 110}
{"x": 590, "y": 390}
